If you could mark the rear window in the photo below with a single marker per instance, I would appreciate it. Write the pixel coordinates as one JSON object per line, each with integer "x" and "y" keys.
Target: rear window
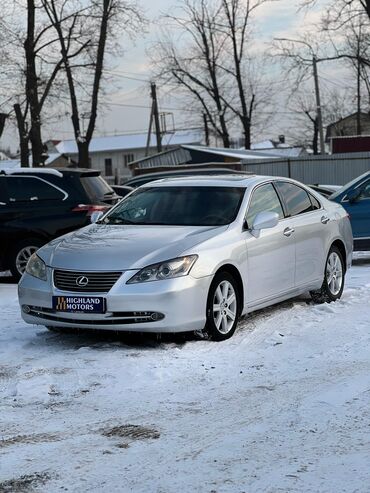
{"x": 96, "y": 187}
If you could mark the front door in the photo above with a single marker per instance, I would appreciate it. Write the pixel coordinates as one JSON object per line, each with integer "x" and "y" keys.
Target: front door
{"x": 271, "y": 255}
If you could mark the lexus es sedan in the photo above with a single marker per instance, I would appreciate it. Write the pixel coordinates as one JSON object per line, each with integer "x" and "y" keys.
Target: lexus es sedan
{"x": 191, "y": 254}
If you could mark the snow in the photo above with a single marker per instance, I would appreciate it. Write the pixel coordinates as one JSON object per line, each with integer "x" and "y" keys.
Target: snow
{"x": 280, "y": 407}
{"x": 133, "y": 141}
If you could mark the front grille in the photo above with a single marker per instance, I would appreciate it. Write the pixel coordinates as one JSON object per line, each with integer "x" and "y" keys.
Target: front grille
{"x": 73, "y": 281}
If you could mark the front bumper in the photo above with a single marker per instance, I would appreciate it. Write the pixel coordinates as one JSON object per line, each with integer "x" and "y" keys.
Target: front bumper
{"x": 180, "y": 304}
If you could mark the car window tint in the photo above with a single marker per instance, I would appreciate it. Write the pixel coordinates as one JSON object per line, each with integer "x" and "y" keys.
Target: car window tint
{"x": 365, "y": 191}
{"x": 24, "y": 188}
{"x": 315, "y": 203}
{"x": 296, "y": 199}
{"x": 264, "y": 198}
{"x": 96, "y": 187}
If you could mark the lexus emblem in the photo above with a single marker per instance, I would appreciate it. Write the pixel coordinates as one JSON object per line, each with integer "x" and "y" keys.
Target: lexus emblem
{"x": 82, "y": 281}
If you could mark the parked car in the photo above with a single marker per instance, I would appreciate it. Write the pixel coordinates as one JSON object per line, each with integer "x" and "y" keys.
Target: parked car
{"x": 355, "y": 198}
{"x": 137, "y": 181}
{"x": 37, "y": 205}
{"x": 122, "y": 190}
{"x": 191, "y": 254}
{"x": 325, "y": 190}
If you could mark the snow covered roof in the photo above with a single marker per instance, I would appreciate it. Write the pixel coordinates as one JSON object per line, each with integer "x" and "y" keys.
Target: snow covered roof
{"x": 9, "y": 163}
{"x": 233, "y": 153}
{"x": 133, "y": 141}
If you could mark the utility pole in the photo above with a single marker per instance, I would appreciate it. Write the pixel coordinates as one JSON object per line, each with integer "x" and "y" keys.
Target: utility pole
{"x": 318, "y": 105}
{"x": 206, "y": 130}
{"x": 156, "y": 116}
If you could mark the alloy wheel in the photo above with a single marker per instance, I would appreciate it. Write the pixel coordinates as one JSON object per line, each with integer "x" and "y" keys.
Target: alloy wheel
{"x": 23, "y": 256}
{"x": 334, "y": 273}
{"x": 224, "y": 307}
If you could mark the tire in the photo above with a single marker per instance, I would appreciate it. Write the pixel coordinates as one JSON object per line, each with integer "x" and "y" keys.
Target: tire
{"x": 333, "y": 284}
{"x": 223, "y": 294}
{"x": 20, "y": 254}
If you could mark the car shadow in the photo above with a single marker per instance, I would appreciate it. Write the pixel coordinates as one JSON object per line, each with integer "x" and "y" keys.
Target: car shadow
{"x": 106, "y": 339}
{"x": 365, "y": 260}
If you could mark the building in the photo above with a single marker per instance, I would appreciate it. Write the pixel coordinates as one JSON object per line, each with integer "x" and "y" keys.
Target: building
{"x": 348, "y": 126}
{"x": 197, "y": 154}
{"x": 112, "y": 155}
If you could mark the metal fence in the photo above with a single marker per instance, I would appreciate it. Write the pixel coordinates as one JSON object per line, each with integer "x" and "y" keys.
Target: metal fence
{"x": 336, "y": 169}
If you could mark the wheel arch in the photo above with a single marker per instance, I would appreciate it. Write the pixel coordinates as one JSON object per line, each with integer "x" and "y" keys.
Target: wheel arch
{"x": 342, "y": 248}
{"x": 233, "y": 271}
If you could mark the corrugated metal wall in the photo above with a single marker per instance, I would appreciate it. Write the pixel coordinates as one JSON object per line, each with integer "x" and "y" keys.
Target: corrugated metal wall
{"x": 335, "y": 169}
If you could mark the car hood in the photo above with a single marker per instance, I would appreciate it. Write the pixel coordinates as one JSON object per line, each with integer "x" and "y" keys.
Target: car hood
{"x": 117, "y": 247}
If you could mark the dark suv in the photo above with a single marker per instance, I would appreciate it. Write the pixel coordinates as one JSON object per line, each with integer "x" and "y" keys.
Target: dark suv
{"x": 37, "y": 205}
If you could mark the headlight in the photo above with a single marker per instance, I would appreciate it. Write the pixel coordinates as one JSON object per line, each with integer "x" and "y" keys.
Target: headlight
{"x": 177, "y": 267}
{"x": 36, "y": 267}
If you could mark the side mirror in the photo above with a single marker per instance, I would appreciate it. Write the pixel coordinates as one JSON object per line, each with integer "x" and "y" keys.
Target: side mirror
{"x": 264, "y": 220}
{"x": 95, "y": 216}
{"x": 353, "y": 195}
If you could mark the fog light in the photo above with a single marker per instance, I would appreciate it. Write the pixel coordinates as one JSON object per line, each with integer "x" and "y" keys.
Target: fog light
{"x": 26, "y": 309}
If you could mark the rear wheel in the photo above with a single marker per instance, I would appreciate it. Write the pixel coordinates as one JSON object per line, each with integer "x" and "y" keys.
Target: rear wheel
{"x": 333, "y": 284}
{"x": 223, "y": 307}
{"x": 20, "y": 255}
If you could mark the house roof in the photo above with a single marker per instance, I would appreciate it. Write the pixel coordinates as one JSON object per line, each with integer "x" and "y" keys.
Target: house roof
{"x": 348, "y": 117}
{"x": 133, "y": 141}
{"x": 232, "y": 153}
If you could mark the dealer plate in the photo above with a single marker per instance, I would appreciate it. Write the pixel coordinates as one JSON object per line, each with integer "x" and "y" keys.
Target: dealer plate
{"x": 79, "y": 304}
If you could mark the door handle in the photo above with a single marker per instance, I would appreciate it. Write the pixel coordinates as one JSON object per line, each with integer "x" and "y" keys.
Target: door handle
{"x": 288, "y": 231}
{"x": 325, "y": 219}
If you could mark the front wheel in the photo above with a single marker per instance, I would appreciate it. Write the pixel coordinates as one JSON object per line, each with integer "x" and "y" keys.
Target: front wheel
{"x": 333, "y": 284}
{"x": 223, "y": 307}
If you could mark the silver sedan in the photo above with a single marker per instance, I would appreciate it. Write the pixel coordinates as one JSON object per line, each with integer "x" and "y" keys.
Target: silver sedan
{"x": 191, "y": 254}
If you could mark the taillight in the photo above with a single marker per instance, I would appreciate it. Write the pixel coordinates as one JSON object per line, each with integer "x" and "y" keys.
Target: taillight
{"x": 90, "y": 208}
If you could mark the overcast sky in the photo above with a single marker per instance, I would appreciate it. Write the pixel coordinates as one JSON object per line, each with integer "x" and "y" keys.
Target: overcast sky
{"x": 279, "y": 18}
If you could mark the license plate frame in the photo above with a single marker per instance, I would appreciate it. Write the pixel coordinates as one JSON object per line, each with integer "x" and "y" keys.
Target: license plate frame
{"x": 79, "y": 304}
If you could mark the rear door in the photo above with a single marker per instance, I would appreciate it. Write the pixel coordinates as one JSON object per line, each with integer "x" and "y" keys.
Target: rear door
{"x": 271, "y": 255}
{"x": 311, "y": 229}
{"x": 35, "y": 207}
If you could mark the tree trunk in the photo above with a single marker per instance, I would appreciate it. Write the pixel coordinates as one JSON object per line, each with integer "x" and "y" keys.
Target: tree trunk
{"x": 32, "y": 87}
{"x": 23, "y": 136}
{"x": 83, "y": 154}
{"x": 247, "y": 132}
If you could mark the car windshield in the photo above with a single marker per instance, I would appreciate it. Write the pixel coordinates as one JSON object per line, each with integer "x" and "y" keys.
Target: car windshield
{"x": 349, "y": 185}
{"x": 178, "y": 206}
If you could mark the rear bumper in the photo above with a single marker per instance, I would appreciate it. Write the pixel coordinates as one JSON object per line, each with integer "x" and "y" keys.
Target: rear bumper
{"x": 179, "y": 305}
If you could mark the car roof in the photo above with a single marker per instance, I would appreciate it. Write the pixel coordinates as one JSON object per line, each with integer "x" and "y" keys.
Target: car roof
{"x": 183, "y": 172}
{"x": 60, "y": 172}
{"x": 227, "y": 180}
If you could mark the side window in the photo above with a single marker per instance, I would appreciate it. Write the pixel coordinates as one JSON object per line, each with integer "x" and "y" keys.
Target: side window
{"x": 24, "y": 188}
{"x": 296, "y": 199}
{"x": 264, "y": 198}
{"x": 365, "y": 191}
{"x": 315, "y": 203}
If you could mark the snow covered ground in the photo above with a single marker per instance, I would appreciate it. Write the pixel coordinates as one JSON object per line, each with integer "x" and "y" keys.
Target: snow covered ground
{"x": 281, "y": 407}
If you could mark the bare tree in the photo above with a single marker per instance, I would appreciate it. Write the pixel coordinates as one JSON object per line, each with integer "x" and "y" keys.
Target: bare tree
{"x": 87, "y": 35}
{"x": 195, "y": 67}
{"x": 205, "y": 53}
{"x": 32, "y": 64}
{"x": 237, "y": 15}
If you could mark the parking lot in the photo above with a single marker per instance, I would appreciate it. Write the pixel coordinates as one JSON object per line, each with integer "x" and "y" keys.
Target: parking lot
{"x": 282, "y": 406}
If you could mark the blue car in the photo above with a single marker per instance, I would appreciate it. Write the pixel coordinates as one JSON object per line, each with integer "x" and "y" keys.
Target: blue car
{"x": 355, "y": 198}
